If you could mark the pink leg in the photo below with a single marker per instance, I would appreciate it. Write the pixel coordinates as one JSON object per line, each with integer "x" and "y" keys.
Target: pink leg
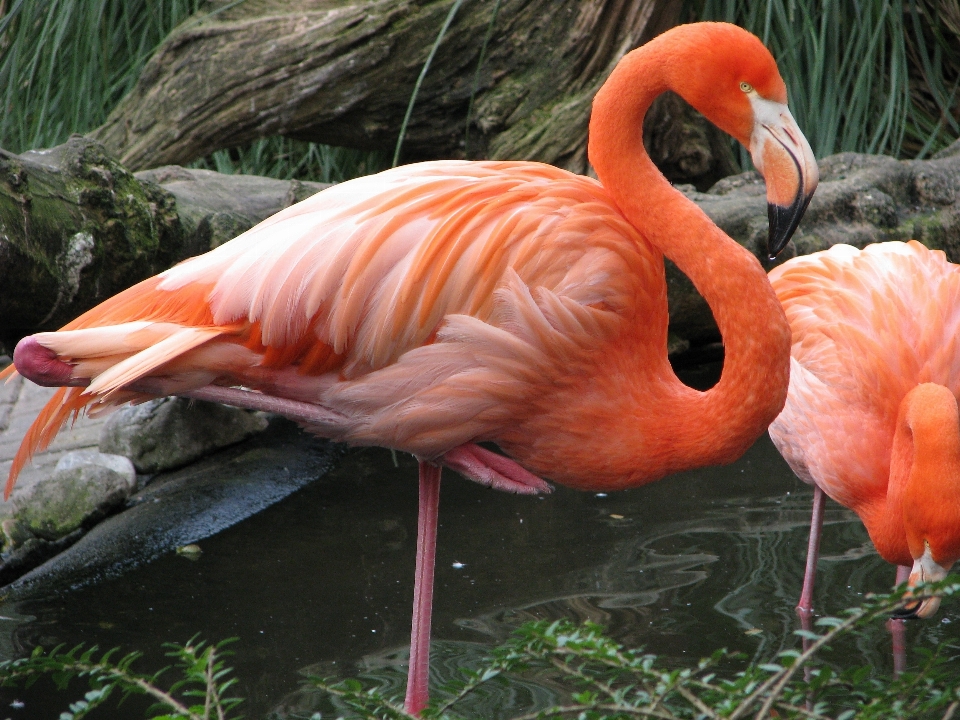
{"x": 418, "y": 673}
{"x": 493, "y": 470}
{"x": 903, "y": 574}
{"x": 805, "y": 606}
{"x": 898, "y": 633}
{"x": 898, "y": 636}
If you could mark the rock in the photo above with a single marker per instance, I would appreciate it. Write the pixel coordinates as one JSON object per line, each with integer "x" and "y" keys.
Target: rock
{"x": 861, "y": 199}
{"x": 15, "y": 533}
{"x": 77, "y": 227}
{"x": 84, "y": 487}
{"x": 214, "y": 207}
{"x": 180, "y": 508}
{"x": 20, "y": 402}
{"x": 169, "y": 432}
{"x": 684, "y": 146}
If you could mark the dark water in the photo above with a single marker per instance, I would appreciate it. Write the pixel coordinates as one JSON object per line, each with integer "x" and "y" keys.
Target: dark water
{"x": 323, "y": 580}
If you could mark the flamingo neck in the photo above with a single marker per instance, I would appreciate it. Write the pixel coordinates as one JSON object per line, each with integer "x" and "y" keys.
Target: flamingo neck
{"x": 753, "y": 385}
{"x": 922, "y": 502}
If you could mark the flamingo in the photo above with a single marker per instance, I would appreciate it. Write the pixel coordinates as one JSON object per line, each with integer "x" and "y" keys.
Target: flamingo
{"x": 438, "y": 305}
{"x": 871, "y": 413}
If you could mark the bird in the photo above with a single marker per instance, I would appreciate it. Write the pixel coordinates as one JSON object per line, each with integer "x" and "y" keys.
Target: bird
{"x": 440, "y": 305}
{"x": 871, "y": 414}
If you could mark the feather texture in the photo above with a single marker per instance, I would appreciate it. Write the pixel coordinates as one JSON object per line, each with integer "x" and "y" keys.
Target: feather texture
{"x": 868, "y": 326}
{"x": 425, "y": 304}
{"x": 442, "y": 304}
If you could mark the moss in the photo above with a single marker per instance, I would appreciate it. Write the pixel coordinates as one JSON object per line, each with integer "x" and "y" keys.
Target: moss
{"x": 938, "y": 230}
{"x": 75, "y": 228}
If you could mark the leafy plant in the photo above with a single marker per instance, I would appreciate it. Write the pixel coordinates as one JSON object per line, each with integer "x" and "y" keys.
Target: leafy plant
{"x": 603, "y": 680}
{"x": 596, "y": 679}
{"x": 201, "y": 693}
{"x": 287, "y": 159}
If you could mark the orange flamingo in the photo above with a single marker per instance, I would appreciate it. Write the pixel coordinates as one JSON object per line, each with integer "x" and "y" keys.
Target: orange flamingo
{"x": 871, "y": 414}
{"x": 438, "y": 305}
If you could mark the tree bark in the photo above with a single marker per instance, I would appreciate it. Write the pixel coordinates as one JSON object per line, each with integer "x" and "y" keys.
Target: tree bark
{"x": 341, "y": 72}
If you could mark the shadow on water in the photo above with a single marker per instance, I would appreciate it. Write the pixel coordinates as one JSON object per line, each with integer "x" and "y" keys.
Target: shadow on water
{"x": 323, "y": 580}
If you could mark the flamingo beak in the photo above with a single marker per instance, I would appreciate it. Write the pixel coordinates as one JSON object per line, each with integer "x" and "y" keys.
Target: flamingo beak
{"x": 783, "y": 156}
{"x": 925, "y": 569}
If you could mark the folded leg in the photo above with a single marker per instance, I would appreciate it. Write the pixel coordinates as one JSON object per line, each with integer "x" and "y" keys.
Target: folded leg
{"x": 496, "y": 471}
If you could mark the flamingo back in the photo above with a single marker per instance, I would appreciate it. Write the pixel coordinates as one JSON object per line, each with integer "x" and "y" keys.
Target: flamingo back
{"x": 867, "y": 327}
{"x": 426, "y": 304}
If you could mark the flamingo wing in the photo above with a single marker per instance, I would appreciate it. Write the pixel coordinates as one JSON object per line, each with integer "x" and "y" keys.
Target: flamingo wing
{"x": 867, "y": 326}
{"x": 425, "y": 305}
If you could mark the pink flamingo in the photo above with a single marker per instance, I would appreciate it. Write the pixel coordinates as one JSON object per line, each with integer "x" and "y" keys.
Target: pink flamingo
{"x": 871, "y": 414}
{"x": 439, "y": 305}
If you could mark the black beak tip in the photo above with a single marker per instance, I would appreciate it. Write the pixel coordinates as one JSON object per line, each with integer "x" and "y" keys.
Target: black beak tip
{"x": 907, "y": 612}
{"x": 784, "y": 222}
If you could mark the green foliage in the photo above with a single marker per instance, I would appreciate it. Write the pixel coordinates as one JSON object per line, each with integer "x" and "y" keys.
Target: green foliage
{"x": 604, "y": 681}
{"x": 877, "y": 77}
{"x": 201, "y": 692}
{"x": 598, "y": 678}
{"x": 287, "y": 159}
{"x": 64, "y": 64}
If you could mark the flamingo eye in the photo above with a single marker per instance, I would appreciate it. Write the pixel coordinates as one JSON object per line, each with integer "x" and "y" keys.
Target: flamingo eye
{"x": 746, "y": 87}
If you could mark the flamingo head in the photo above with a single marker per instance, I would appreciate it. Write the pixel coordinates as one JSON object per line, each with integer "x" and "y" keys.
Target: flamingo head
{"x": 930, "y": 498}
{"x": 925, "y": 569}
{"x": 728, "y": 75}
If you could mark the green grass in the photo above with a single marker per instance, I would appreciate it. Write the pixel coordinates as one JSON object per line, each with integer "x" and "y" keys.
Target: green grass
{"x": 875, "y": 77}
{"x": 287, "y": 159}
{"x": 64, "y": 64}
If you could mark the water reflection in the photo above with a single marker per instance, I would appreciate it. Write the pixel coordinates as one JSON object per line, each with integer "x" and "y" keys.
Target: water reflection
{"x": 323, "y": 581}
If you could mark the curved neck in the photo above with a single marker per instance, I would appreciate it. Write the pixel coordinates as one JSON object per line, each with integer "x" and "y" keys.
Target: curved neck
{"x": 753, "y": 386}
{"x": 922, "y": 502}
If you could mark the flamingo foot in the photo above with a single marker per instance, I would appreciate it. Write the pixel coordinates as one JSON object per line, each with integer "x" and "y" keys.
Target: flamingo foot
{"x": 493, "y": 470}
{"x": 418, "y": 672}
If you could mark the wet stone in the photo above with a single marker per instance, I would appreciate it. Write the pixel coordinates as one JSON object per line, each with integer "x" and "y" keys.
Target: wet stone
{"x": 84, "y": 487}
{"x": 169, "y": 433}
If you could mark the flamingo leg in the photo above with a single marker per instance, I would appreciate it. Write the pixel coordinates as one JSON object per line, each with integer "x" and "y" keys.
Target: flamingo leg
{"x": 805, "y": 606}
{"x": 471, "y": 460}
{"x": 898, "y": 632}
{"x": 493, "y": 470}
{"x": 418, "y": 673}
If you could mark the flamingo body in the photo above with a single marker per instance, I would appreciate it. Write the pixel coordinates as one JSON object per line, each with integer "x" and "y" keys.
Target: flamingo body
{"x": 438, "y": 305}
{"x": 871, "y": 412}
{"x": 426, "y": 306}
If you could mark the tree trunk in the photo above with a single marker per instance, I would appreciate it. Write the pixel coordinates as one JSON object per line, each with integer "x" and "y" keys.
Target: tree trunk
{"x": 341, "y": 72}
